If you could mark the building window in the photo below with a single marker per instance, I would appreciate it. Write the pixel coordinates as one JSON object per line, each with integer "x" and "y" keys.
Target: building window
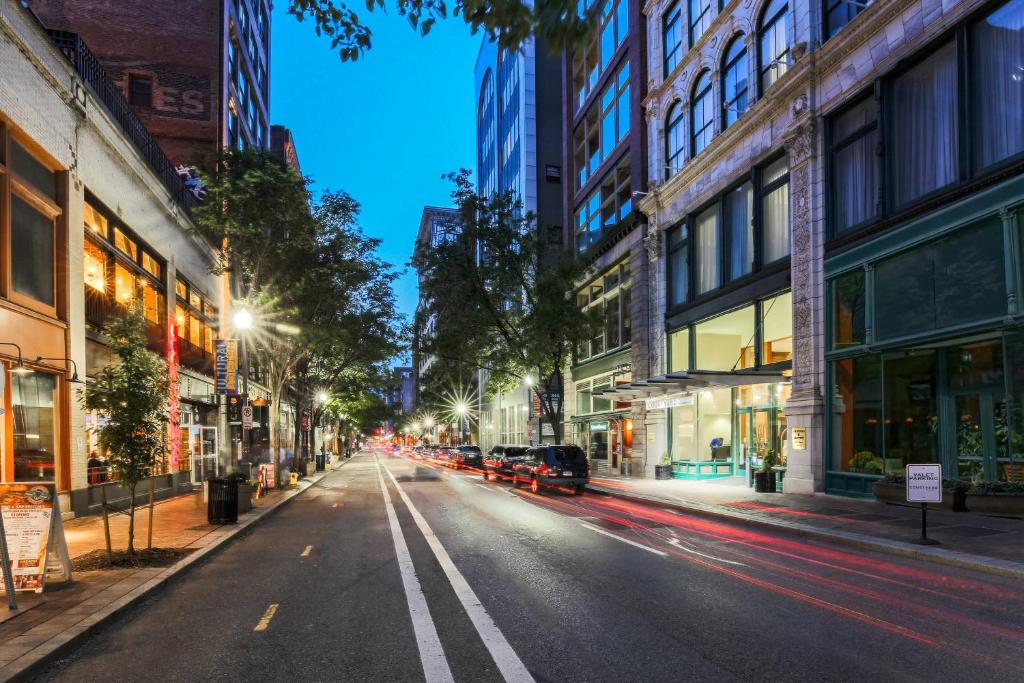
{"x": 32, "y": 252}
{"x": 848, "y": 310}
{"x": 702, "y": 114}
{"x": 738, "y": 209}
{"x": 34, "y": 422}
{"x": 125, "y": 244}
{"x": 775, "y": 215}
{"x": 925, "y": 136}
{"x": 839, "y": 13}
{"x": 679, "y": 350}
{"x": 675, "y": 146}
{"x": 855, "y": 172}
{"x": 609, "y": 296}
{"x": 95, "y": 222}
{"x": 485, "y": 138}
{"x": 726, "y": 342}
{"x": 708, "y": 254}
{"x": 602, "y": 129}
{"x": 678, "y": 265}
{"x": 934, "y": 138}
{"x": 672, "y": 37}
{"x": 590, "y": 61}
{"x": 777, "y": 329}
{"x": 997, "y": 62}
{"x": 700, "y": 19}
{"x": 140, "y": 90}
{"x": 773, "y": 42}
{"x": 32, "y": 171}
{"x": 606, "y": 208}
{"x": 734, "y": 81}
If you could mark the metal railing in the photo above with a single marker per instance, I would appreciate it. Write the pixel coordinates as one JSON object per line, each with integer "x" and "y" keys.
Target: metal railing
{"x": 107, "y": 91}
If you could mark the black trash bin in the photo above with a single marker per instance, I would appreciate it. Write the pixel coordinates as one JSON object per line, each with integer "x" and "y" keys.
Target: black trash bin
{"x": 222, "y": 501}
{"x": 321, "y": 462}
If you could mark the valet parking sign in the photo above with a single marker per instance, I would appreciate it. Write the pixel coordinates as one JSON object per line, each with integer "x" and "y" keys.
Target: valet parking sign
{"x": 924, "y": 483}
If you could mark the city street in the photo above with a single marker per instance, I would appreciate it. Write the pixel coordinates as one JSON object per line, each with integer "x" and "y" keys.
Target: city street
{"x": 476, "y": 581}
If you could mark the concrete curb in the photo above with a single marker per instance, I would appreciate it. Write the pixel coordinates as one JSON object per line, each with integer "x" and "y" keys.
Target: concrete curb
{"x": 979, "y": 563}
{"x": 32, "y": 662}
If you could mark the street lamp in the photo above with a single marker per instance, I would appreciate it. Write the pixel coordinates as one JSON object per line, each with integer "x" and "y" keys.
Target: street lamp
{"x": 529, "y": 381}
{"x": 243, "y": 319}
{"x": 461, "y": 410}
{"x": 322, "y": 397}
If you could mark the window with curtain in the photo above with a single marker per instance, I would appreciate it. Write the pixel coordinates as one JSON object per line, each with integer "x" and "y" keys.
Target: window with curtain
{"x": 925, "y": 127}
{"x": 678, "y": 265}
{"x": 738, "y": 208}
{"x": 734, "y": 81}
{"x": 702, "y": 114}
{"x": 997, "y": 67}
{"x": 773, "y": 42}
{"x": 775, "y": 215}
{"x": 672, "y": 37}
{"x": 700, "y": 19}
{"x": 855, "y": 166}
{"x": 708, "y": 255}
{"x": 675, "y": 146}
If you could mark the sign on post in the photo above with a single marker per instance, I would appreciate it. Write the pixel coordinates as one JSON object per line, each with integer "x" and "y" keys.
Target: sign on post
{"x": 924, "y": 485}
{"x": 246, "y": 417}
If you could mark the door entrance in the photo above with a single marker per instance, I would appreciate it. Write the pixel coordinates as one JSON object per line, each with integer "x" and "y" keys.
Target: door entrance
{"x": 203, "y": 449}
{"x": 974, "y": 428}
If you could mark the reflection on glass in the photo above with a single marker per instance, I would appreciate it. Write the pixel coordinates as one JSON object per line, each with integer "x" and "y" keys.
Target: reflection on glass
{"x": 34, "y": 430}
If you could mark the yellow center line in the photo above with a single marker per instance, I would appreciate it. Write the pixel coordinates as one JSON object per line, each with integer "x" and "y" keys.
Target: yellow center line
{"x": 264, "y": 621}
{"x": 305, "y": 553}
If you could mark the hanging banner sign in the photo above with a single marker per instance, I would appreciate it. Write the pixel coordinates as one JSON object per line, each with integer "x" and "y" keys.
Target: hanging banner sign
{"x": 232, "y": 370}
{"x": 220, "y": 355}
{"x": 34, "y": 534}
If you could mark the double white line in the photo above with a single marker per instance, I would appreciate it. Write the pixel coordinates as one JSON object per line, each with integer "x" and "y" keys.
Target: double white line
{"x": 435, "y": 665}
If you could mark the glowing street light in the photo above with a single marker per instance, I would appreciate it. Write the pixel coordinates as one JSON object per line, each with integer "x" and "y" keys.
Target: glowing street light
{"x": 243, "y": 319}
{"x": 322, "y": 397}
{"x": 461, "y": 409}
{"x": 429, "y": 423}
{"x": 529, "y": 381}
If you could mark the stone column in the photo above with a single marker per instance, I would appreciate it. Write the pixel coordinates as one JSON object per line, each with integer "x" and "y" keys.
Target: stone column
{"x": 805, "y": 408}
{"x": 75, "y": 219}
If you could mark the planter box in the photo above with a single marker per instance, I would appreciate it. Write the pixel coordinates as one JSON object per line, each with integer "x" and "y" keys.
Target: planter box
{"x": 245, "y": 494}
{"x": 764, "y": 482}
{"x": 897, "y": 493}
{"x": 662, "y": 472}
{"x": 996, "y": 504}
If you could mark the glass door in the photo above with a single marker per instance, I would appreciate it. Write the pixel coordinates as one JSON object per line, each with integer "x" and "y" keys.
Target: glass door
{"x": 744, "y": 438}
{"x": 979, "y": 442}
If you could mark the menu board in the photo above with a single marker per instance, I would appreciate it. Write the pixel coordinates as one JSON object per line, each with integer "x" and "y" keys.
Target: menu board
{"x": 31, "y": 516}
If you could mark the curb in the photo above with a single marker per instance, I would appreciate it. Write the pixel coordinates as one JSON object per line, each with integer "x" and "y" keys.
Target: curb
{"x": 953, "y": 558}
{"x": 32, "y": 662}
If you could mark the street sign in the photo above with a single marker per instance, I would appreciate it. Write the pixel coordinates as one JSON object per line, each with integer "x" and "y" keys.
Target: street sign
{"x": 924, "y": 483}
{"x": 246, "y": 417}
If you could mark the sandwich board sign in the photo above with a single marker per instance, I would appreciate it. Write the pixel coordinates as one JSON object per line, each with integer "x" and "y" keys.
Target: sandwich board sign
{"x": 34, "y": 534}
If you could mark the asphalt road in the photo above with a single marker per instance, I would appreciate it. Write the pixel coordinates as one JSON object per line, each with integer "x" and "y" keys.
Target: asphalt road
{"x": 492, "y": 583}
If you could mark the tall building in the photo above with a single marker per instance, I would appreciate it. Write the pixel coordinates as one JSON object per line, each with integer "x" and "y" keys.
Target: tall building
{"x": 605, "y": 80}
{"x": 197, "y": 77}
{"x": 519, "y": 150}
{"x": 836, "y": 209}
{"x": 283, "y": 145}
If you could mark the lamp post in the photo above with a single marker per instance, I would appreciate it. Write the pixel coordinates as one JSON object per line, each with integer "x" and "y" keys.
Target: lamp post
{"x": 243, "y": 323}
{"x": 461, "y": 410}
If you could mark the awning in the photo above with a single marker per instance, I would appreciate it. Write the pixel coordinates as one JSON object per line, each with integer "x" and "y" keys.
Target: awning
{"x": 678, "y": 382}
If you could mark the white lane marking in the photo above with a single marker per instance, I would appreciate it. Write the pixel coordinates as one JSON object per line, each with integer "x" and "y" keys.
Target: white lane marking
{"x": 625, "y": 540}
{"x": 685, "y": 549}
{"x": 511, "y": 667}
{"x": 435, "y": 665}
{"x": 485, "y": 487}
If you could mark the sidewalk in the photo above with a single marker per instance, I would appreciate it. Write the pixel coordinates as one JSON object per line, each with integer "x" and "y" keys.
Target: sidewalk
{"x": 45, "y": 623}
{"x": 989, "y": 544}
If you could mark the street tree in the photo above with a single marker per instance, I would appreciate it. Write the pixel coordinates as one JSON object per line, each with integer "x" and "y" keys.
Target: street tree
{"x": 511, "y": 22}
{"x": 504, "y": 297}
{"x": 132, "y": 395}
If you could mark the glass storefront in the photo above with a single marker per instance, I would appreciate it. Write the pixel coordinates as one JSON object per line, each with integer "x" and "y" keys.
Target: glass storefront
{"x": 34, "y": 425}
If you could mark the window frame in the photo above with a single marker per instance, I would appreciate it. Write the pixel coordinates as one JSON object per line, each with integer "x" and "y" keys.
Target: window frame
{"x": 727, "y": 66}
{"x": 853, "y": 9}
{"x": 621, "y": 294}
{"x": 679, "y": 110}
{"x": 834, "y": 146}
{"x": 703, "y": 19}
{"x": 134, "y": 78}
{"x": 670, "y": 22}
{"x": 695, "y": 97}
{"x": 764, "y": 24}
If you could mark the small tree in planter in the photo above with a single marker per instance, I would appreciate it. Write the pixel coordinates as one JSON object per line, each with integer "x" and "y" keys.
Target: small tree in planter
{"x": 664, "y": 470}
{"x": 764, "y": 479}
{"x": 133, "y": 395}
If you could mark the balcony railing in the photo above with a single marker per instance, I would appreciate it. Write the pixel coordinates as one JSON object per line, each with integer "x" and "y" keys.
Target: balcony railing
{"x": 92, "y": 73}
{"x": 100, "y": 308}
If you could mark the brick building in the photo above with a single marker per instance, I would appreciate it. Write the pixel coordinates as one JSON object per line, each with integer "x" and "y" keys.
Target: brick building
{"x": 197, "y": 79}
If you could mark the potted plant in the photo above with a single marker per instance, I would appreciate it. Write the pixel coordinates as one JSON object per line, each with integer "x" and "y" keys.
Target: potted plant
{"x": 664, "y": 470}
{"x": 865, "y": 462}
{"x": 764, "y": 478}
{"x": 996, "y": 498}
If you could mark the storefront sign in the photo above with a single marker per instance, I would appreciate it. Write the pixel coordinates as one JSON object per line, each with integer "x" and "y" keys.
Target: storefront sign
{"x": 799, "y": 438}
{"x": 924, "y": 483}
{"x": 221, "y": 365}
{"x": 663, "y": 402}
{"x": 33, "y": 529}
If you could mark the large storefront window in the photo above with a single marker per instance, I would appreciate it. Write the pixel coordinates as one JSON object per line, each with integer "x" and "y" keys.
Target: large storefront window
{"x": 726, "y": 342}
{"x": 34, "y": 426}
{"x": 679, "y": 350}
{"x": 777, "y": 329}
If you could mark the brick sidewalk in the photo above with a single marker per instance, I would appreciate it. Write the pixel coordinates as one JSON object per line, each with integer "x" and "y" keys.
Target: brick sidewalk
{"x": 970, "y": 537}
{"x": 44, "y": 623}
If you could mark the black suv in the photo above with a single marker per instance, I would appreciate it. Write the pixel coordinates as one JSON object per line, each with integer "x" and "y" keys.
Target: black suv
{"x": 553, "y": 466}
{"x": 498, "y": 463}
{"x": 468, "y": 456}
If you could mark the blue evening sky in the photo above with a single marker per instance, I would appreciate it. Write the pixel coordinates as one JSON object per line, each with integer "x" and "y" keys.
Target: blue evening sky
{"x": 385, "y": 128}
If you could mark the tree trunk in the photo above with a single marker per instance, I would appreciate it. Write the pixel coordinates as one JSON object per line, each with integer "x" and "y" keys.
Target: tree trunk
{"x": 131, "y": 520}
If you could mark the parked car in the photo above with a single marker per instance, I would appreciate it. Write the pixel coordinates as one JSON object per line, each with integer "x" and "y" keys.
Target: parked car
{"x": 553, "y": 466}
{"x": 499, "y": 461}
{"x": 468, "y": 456}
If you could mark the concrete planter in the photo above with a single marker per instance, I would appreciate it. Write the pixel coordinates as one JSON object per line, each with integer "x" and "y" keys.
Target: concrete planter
{"x": 662, "y": 472}
{"x": 996, "y": 504}
{"x": 884, "y": 492}
{"x": 245, "y": 494}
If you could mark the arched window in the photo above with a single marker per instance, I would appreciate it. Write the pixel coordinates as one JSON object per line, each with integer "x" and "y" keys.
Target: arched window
{"x": 674, "y": 146}
{"x": 702, "y": 114}
{"x": 773, "y": 42}
{"x": 734, "y": 81}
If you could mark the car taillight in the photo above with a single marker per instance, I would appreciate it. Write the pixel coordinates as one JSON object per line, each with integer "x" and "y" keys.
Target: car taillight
{"x": 543, "y": 469}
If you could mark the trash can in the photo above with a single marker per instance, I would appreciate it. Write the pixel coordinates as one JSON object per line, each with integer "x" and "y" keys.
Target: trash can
{"x": 222, "y": 502}
{"x": 321, "y": 462}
